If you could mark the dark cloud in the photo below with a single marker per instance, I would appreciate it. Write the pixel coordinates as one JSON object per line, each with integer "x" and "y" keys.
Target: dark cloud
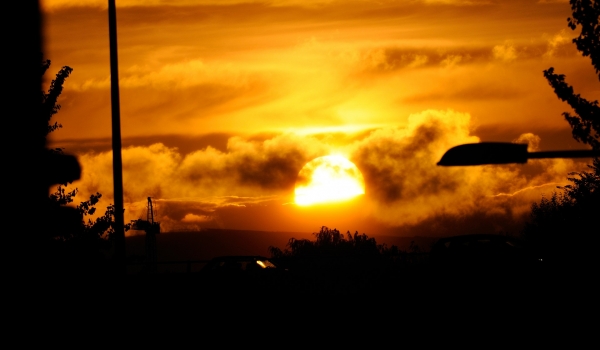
{"x": 399, "y": 164}
{"x": 406, "y": 187}
{"x": 277, "y": 169}
{"x": 395, "y": 169}
{"x": 395, "y": 58}
{"x": 472, "y": 92}
{"x": 185, "y": 144}
{"x": 270, "y": 165}
{"x": 403, "y": 184}
{"x": 386, "y": 60}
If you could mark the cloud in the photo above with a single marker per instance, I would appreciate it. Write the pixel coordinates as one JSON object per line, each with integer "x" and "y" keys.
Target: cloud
{"x": 388, "y": 156}
{"x": 193, "y": 218}
{"x": 252, "y": 67}
{"x": 559, "y": 45}
{"x": 532, "y": 141}
{"x": 404, "y": 187}
{"x": 458, "y": 2}
{"x": 52, "y": 4}
{"x": 505, "y": 52}
{"x": 178, "y": 75}
{"x": 244, "y": 174}
{"x": 451, "y": 61}
{"x": 391, "y": 58}
{"x": 266, "y": 165}
{"x": 478, "y": 91}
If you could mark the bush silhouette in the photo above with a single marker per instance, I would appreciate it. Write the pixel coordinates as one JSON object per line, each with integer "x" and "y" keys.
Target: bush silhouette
{"x": 82, "y": 243}
{"x": 564, "y": 228}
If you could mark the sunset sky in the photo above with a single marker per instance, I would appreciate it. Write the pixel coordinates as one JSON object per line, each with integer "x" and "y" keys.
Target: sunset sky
{"x": 223, "y": 103}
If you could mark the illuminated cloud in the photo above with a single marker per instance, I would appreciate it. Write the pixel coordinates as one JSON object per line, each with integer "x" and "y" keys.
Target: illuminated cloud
{"x": 205, "y": 179}
{"x": 193, "y": 218}
{"x": 404, "y": 187}
{"x": 451, "y": 61}
{"x": 253, "y": 67}
{"x": 390, "y": 84}
{"x": 392, "y": 159}
{"x": 170, "y": 76}
{"x": 506, "y": 52}
{"x": 532, "y": 141}
{"x": 270, "y": 165}
{"x": 51, "y": 4}
{"x": 458, "y": 2}
{"x": 559, "y": 44}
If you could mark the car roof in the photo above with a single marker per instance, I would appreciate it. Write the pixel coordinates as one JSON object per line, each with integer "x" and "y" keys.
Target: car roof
{"x": 477, "y": 237}
{"x": 239, "y": 257}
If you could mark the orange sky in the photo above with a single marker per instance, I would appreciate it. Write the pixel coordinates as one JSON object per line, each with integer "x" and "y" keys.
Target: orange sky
{"x": 223, "y": 102}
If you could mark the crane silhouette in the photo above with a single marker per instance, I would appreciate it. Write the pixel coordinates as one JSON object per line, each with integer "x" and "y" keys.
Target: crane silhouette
{"x": 152, "y": 228}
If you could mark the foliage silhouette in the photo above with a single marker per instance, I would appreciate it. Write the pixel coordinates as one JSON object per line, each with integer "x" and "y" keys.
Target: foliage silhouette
{"x": 332, "y": 250}
{"x": 83, "y": 242}
{"x": 585, "y": 122}
{"x": 569, "y": 215}
{"x": 329, "y": 243}
{"x": 49, "y": 99}
{"x": 572, "y": 213}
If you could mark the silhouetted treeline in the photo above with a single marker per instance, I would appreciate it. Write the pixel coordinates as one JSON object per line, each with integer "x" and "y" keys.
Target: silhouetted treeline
{"x": 333, "y": 250}
{"x": 564, "y": 228}
{"x": 72, "y": 243}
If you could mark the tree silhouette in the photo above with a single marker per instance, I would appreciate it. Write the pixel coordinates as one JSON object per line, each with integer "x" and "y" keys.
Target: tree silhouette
{"x": 564, "y": 228}
{"x": 330, "y": 243}
{"x": 49, "y": 99}
{"x": 332, "y": 250}
{"x": 585, "y": 121}
{"x": 82, "y": 242}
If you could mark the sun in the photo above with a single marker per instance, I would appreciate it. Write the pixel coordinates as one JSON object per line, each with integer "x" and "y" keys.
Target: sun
{"x": 328, "y": 179}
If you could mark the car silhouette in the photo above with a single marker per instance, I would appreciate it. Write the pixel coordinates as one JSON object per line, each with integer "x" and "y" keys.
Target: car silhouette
{"x": 251, "y": 273}
{"x": 238, "y": 265}
{"x": 480, "y": 252}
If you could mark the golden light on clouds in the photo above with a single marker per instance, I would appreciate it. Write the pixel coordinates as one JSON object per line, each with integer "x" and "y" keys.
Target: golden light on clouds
{"x": 328, "y": 179}
{"x": 225, "y": 103}
{"x": 250, "y": 183}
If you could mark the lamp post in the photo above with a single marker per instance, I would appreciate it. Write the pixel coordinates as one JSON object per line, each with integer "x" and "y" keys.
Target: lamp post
{"x": 503, "y": 153}
{"x": 116, "y": 138}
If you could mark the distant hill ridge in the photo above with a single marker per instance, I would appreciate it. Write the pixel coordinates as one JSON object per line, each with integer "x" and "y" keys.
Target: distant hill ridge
{"x": 209, "y": 243}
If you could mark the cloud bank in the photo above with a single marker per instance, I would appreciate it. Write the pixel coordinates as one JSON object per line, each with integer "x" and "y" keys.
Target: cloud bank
{"x": 404, "y": 187}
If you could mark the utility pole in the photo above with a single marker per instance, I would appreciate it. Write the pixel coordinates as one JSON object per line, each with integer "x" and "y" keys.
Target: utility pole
{"x": 116, "y": 138}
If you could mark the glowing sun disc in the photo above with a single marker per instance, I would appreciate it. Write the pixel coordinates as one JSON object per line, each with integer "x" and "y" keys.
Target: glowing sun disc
{"x": 328, "y": 179}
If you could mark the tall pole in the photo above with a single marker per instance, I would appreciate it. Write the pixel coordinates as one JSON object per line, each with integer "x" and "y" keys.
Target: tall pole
{"x": 116, "y": 138}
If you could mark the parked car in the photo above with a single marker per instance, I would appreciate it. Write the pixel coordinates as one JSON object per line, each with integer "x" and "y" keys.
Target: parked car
{"x": 248, "y": 270}
{"x": 238, "y": 264}
{"x": 481, "y": 251}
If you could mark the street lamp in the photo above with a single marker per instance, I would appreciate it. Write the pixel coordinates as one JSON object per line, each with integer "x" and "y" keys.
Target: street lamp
{"x": 116, "y": 136}
{"x": 503, "y": 153}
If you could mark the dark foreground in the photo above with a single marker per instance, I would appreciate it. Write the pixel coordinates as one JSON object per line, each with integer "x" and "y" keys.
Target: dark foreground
{"x": 391, "y": 303}
{"x": 532, "y": 292}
